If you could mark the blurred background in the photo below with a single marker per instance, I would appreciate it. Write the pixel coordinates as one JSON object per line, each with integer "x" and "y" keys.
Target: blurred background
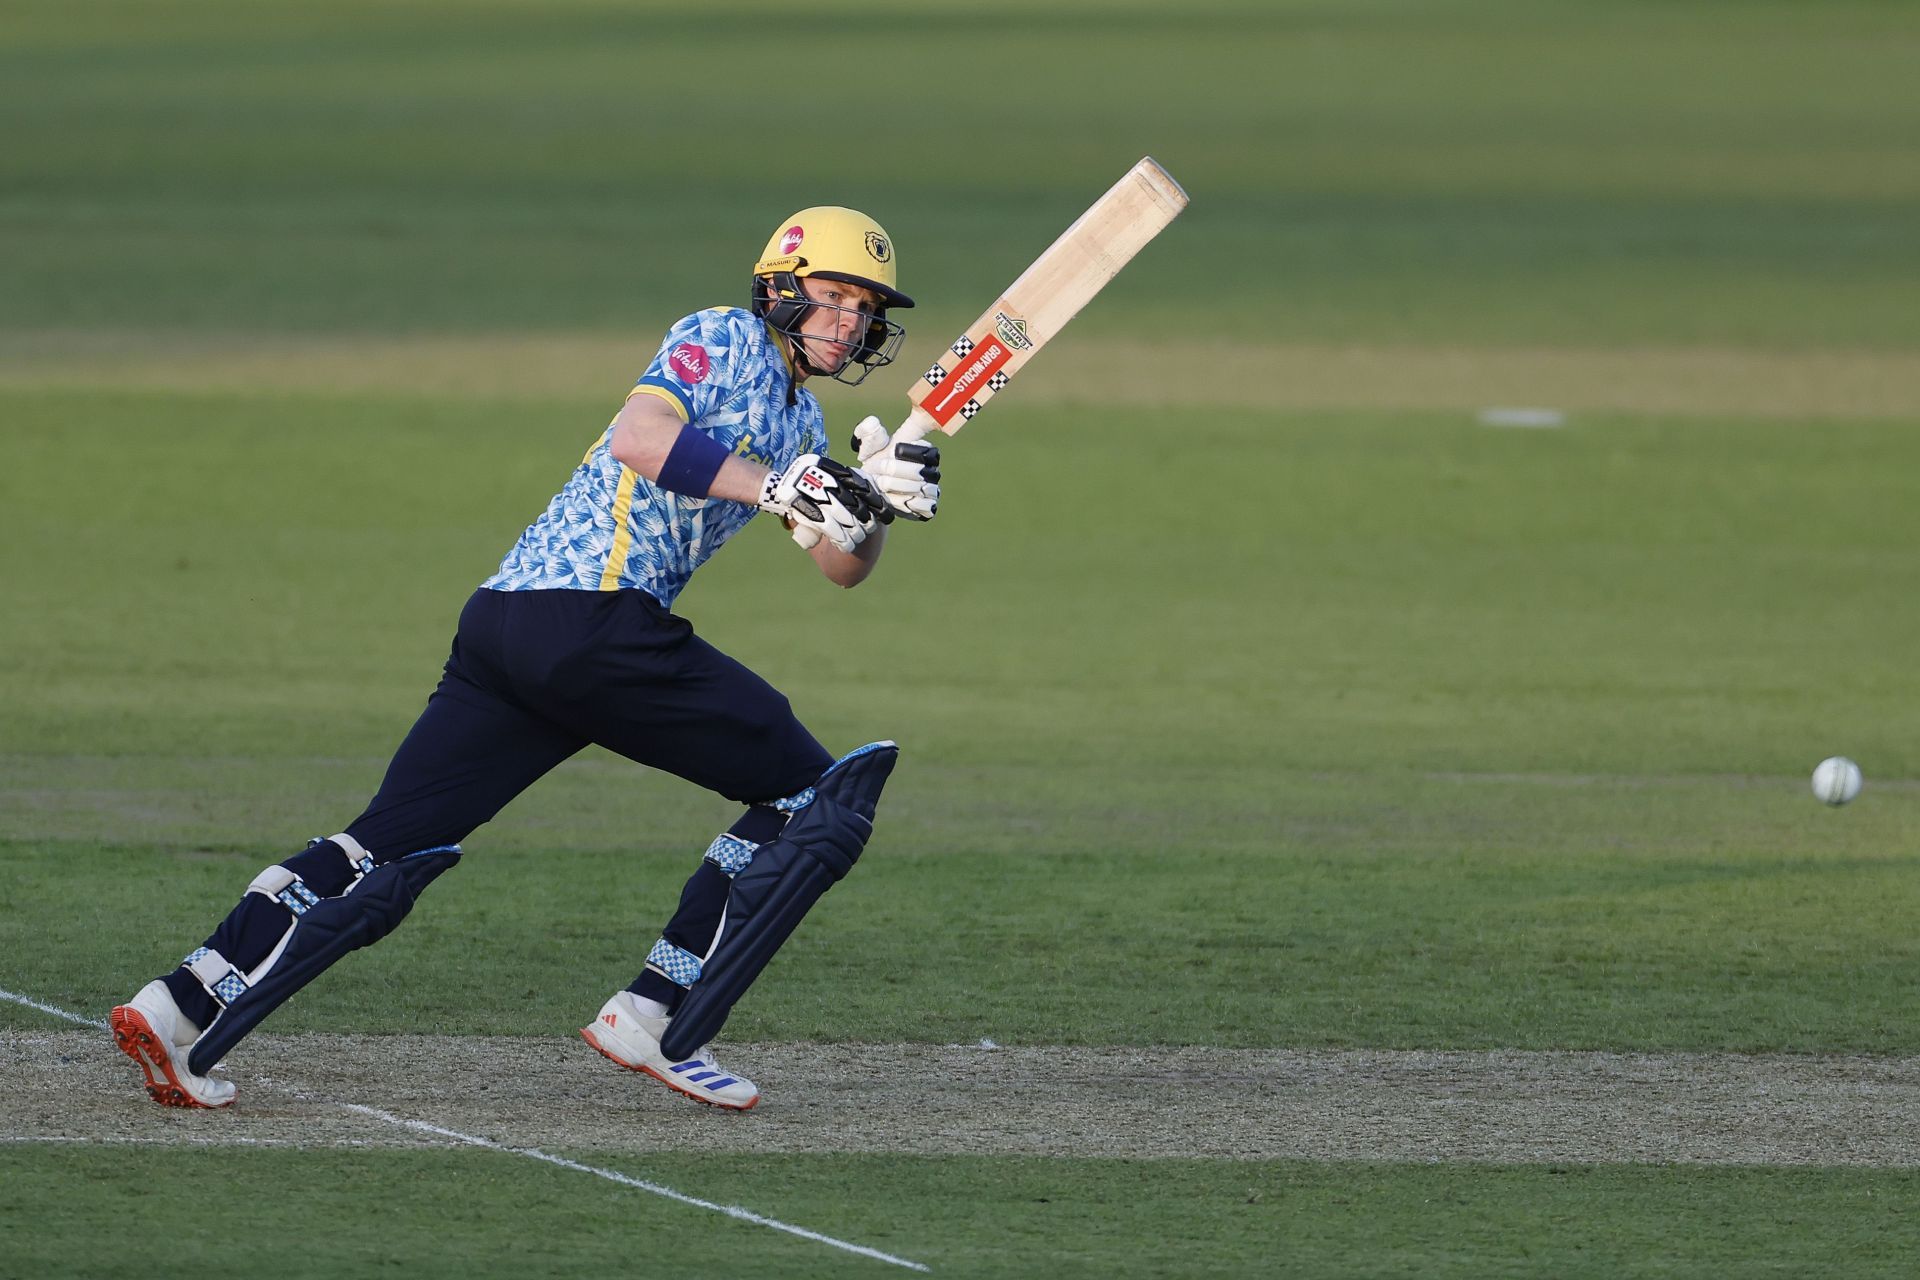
{"x": 1375, "y": 172}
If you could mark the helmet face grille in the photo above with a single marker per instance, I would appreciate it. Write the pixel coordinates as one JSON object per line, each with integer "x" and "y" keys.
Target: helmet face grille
{"x": 881, "y": 346}
{"x": 782, "y": 302}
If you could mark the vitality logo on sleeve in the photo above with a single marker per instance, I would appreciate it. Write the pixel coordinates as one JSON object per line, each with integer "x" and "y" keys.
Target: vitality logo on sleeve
{"x": 690, "y": 363}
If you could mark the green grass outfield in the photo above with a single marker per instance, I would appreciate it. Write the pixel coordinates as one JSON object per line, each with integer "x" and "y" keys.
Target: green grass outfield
{"x": 1244, "y": 704}
{"x": 1011, "y": 1217}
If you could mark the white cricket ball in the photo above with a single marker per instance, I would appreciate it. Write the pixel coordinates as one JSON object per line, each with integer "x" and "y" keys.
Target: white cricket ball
{"x": 1836, "y": 780}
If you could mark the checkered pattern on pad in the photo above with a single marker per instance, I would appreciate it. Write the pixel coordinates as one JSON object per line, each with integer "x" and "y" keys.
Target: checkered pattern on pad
{"x": 730, "y": 853}
{"x": 679, "y": 965}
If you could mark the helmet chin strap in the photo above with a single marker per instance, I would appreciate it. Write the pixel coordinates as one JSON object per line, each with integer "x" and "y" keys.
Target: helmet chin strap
{"x": 805, "y": 367}
{"x": 771, "y": 304}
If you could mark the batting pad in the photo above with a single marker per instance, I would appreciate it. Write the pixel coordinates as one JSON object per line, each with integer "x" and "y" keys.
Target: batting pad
{"x": 371, "y": 909}
{"x": 772, "y": 893}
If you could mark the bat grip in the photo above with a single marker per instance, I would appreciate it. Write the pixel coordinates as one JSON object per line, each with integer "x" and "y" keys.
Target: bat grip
{"x": 918, "y": 425}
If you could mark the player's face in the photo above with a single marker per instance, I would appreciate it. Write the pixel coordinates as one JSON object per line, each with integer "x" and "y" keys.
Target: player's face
{"x": 832, "y": 331}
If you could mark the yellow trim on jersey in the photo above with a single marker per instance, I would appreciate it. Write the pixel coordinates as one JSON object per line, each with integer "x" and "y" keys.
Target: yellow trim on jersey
{"x": 622, "y": 533}
{"x": 598, "y": 440}
{"x": 679, "y": 405}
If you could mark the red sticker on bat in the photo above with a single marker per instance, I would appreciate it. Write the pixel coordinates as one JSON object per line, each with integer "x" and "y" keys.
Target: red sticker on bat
{"x": 791, "y": 240}
{"x": 689, "y": 362}
{"x": 967, "y": 380}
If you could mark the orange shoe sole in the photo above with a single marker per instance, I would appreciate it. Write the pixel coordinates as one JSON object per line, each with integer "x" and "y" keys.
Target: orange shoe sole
{"x": 586, "y": 1033}
{"x": 138, "y": 1041}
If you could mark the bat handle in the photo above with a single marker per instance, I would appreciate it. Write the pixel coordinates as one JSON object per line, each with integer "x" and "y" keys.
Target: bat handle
{"x": 918, "y": 426}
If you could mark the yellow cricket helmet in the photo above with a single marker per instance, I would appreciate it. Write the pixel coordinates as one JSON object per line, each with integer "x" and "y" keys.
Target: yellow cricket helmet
{"x": 835, "y": 244}
{"x": 831, "y": 243}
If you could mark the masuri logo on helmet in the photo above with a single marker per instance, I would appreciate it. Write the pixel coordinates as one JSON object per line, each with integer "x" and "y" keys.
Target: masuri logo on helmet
{"x": 829, "y": 242}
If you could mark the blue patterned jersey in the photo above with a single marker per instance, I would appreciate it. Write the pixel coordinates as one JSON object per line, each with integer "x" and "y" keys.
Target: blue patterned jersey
{"x": 612, "y": 528}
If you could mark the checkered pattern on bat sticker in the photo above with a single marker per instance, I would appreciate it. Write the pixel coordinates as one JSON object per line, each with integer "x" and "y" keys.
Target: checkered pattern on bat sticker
{"x": 609, "y": 528}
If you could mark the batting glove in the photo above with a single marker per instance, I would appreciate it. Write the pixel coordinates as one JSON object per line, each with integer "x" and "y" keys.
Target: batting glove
{"x": 907, "y": 474}
{"x": 820, "y": 498}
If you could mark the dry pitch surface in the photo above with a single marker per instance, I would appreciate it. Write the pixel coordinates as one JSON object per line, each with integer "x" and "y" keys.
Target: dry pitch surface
{"x": 1495, "y": 1107}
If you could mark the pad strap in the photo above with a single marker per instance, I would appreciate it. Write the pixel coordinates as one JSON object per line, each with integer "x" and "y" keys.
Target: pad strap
{"x": 286, "y": 888}
{"x": 357, "y": 855}
{"x": 795, "y": 802}
{"x": 676, "y": 964}
{"x": 222, "y": 981}
{"x": 730, "y": 853}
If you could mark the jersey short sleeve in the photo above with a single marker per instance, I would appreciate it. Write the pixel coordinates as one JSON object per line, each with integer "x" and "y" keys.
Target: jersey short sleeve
{"x": 698, "y": 368}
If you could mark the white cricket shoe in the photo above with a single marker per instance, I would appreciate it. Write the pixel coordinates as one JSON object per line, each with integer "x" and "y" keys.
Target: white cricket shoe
{"x": 632, "y": 1039}
{"x": 152, "y": 1031}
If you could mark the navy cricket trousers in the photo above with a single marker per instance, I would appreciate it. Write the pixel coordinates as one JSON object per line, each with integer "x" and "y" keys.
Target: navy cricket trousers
{"x": 535, "y": 676}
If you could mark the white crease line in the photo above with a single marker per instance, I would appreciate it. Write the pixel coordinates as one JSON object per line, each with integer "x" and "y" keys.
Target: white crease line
{"x": 652, "y": 1188}
{"x": 47, "y": 1008}
{"x": 534, "y": 1153}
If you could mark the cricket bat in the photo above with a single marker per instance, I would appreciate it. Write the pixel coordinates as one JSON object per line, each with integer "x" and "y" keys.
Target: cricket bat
{"x": 1038, "y": 305}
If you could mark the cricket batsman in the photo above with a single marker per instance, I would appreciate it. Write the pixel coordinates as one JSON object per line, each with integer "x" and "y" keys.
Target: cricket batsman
{"x": 573, "y": 641}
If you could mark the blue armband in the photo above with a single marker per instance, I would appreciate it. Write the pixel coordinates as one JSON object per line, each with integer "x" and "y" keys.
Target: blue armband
{"x": 692, "y": 463}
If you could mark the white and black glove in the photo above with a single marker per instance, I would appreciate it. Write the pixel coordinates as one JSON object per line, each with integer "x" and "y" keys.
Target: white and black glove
{"x": 906, "y": 474}
{"x": 820, "y": 498}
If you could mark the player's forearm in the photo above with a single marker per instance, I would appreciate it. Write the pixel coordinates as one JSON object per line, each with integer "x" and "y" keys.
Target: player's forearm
{"x": 740, "y": 480}
{"x": 644, "y": 436}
